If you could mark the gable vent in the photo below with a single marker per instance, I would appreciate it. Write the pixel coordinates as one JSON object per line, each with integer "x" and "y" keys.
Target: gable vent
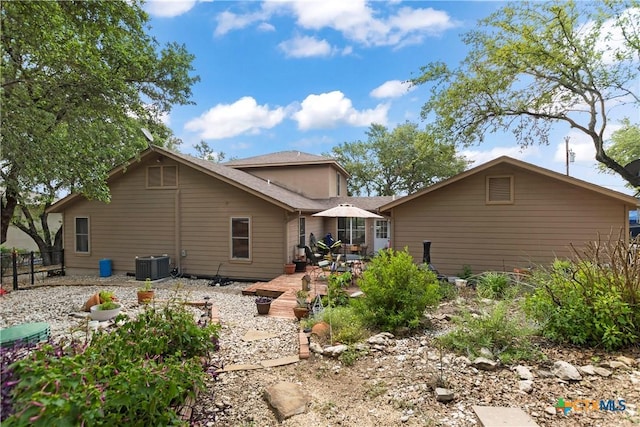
{"x": 500, "y": 189}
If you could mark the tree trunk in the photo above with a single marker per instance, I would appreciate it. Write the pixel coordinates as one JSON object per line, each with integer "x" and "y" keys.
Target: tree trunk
{"x": 9, "y": 203}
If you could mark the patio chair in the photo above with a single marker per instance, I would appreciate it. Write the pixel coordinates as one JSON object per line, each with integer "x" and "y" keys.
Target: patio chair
{"x": 319, "y": 264}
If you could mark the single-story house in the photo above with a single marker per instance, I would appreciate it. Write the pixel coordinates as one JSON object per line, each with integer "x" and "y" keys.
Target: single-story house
{"x": 505, "y": 214}
{"x": 247, "y": 217}
{"x": 244, "y": 218}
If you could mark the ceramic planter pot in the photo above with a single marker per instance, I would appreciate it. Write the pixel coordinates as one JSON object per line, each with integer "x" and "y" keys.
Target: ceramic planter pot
{"x": 102, "y": 315}
{"x": 263, "y": 308}
{"x": 300, "y": 312}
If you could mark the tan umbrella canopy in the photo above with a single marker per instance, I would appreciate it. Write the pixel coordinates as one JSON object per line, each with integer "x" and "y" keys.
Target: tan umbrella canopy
{"x": 347, "y": 210}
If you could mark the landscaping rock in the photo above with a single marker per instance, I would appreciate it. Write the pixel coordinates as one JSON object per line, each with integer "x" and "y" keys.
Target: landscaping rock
{"x": 485, "y": 364}
{"x": 523, "y": 372}
{"x": 525, "y": 386}
{"x": 626, "y": 360}
{"x": 587, "y": 370}
{"x": 334, "y": 351}
{"x": 287, "y": 399}
{"x": 444, "y": 394}
{"x": 566, "y": 371}
{"x": 603, "y": 372}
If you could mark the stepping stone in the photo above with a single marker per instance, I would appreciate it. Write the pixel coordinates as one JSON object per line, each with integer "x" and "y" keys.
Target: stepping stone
{"x": 280, "y": 362}
{"x": 240, "y": 367}
{"x": 496, "y": 416}
{"x": 254, "y": 335}
{"x": 287, "y": 399}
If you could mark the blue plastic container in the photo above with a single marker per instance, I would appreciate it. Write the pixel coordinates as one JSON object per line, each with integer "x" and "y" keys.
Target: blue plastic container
{"x": 105, "y": 267}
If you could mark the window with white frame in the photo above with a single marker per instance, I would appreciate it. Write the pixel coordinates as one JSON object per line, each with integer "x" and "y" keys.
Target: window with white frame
{"x": 82, "y": 234}
{"x": 351, "y": 231}
{"x": 240, "y": 238}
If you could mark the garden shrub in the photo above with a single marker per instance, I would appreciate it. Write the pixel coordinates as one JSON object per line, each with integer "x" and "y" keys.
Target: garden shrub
{"x": 397, "y": 291}
{"x": 592, "y": 300}
{"x": 501, "y": 330}
{"x": 346, "y": 326}
{"x": 337, "y": 294}
{"x": 137, "y": 374}
{"x": 494, "y": 285}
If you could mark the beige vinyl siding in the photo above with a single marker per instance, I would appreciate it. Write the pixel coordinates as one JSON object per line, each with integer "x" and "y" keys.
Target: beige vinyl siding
{"x": 313, "y": 181}
{"x": 546, "y": 216}
{"x": 195, "y": 217}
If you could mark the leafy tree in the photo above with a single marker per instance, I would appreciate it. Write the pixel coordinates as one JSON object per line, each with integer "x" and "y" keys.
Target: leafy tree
{"x": 79, "y": 79}
{"x": 625, "y": 145}
{"x": 531, "y": 65}
{"x": 205, "y": 151}
{"x": 397, "y": 162}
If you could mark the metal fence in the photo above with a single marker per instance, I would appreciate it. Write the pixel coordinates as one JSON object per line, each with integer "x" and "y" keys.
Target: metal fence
{"x": 31, "y": 264}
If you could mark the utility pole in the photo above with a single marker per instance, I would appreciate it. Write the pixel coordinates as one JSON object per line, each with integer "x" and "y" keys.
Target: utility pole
{"x": 569, "y": 154}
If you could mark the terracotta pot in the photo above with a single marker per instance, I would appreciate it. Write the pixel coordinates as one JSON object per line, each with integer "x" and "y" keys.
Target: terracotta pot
{"x": 300, "y": 312}
{"x": 263, "y": 308}
{"x": 145, "y": 297}
{"x": 93, "y": 300}
{"x": 321, "y": 329}
{"x": 289, "y": 268}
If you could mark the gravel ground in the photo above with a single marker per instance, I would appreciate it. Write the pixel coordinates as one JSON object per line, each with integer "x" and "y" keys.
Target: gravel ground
{"x": 392, "y": 386}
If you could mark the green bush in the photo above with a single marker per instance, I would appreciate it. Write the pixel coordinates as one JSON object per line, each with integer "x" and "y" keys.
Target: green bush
{"x": 396, "y": 291}
{"x": 502, "y": 331}
{"x": 495, "y": 285}
{"x": 346, "y": 326}
{"x": 337, "y": 294}
{"x": 135, "y": 375}
{"x": 594, "y": 300}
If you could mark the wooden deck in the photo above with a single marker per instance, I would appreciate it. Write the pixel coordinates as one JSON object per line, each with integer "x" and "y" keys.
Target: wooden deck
{"x": 283, "y": 288}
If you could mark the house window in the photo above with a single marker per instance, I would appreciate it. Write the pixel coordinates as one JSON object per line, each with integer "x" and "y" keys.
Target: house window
{"x": 240, "y": 238}
{"x": 302, "y": 238}
{"x": 338, "y": 181}
{"x": 499, "y": 189}
{"x": 351, "y": 231}
{"x": 162, "y": 176}
{"x": 82, "y": 235}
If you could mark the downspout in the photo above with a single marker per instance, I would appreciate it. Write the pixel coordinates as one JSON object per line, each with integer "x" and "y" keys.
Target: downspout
{"x": 176, "y": 229}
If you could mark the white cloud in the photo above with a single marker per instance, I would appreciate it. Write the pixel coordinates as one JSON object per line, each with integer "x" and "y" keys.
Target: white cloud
{"x": 581, "y": 145}
{"x": 266, "y": 27}
{"x": 305, "y": 46}
{"x": 479, "y": 157}
{"x": 244, "y": 116}
{"x": 328, "y": 110}
{"x": 392, "y": 89}
{"x": 168, "y": 8}
{"x": 229, "y": 21}
{"x": 611, "y": 40}
{"x": 357, "y": 20}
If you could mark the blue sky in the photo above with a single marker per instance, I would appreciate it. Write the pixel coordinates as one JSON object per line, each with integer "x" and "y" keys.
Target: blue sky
{"x": 307, "y": 75}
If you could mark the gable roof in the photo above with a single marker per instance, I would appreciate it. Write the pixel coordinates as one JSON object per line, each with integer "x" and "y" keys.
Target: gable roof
{"x": 284, "y": 158}
{"x": 282, "y": 197}
{"x": 520, "y": 164}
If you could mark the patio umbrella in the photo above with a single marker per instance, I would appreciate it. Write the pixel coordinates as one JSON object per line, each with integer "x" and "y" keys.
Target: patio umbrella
{"x": 347, "y": 210}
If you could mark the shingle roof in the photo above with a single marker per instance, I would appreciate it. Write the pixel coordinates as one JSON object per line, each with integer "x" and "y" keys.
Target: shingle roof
{"x": 284, "y": 158}
{"x": 249, "y": 182}
{"x": 517, "y": 163}
{"x": 275, "y": 194}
